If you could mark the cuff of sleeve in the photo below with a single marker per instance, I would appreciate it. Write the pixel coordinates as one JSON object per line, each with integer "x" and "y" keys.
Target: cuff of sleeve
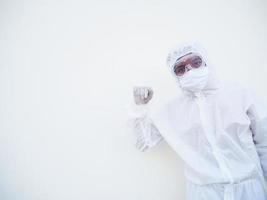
{"x": 137, "y": 111}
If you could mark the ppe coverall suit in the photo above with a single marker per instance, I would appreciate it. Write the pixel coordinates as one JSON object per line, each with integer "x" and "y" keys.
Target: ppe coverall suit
{"x": 219, "y": 131}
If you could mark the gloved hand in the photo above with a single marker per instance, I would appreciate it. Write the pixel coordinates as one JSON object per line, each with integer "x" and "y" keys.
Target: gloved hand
{"x": 142, "y": 95}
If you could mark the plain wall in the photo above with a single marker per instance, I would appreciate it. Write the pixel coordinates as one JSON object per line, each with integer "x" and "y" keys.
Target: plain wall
{"x": 67, "y": 69}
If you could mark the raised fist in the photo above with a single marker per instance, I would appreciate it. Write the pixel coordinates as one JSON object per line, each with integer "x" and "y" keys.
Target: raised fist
{"x": 142, "y": 95}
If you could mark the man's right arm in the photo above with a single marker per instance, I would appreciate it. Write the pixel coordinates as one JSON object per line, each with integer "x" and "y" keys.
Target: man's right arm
{"x": 147, "y": 135}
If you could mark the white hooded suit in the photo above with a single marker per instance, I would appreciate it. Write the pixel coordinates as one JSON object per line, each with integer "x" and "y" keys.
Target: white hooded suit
{"x": 220, "y": 132}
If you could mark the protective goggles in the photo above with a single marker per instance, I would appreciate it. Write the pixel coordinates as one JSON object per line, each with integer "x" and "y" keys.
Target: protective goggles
{"x": 192, "y": 61}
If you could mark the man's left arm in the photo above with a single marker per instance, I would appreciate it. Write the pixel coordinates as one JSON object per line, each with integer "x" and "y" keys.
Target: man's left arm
{"x": 257, "y": 113}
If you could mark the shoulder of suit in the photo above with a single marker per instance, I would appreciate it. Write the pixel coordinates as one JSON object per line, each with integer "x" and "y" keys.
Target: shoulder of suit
{"x": 234, "y": 88}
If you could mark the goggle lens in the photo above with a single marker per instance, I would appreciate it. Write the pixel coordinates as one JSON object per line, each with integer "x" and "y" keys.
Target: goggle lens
{"x": 194, "y": 61}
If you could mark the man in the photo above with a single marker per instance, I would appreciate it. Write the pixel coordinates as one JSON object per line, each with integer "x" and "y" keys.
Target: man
{"x": 218, "y": 129}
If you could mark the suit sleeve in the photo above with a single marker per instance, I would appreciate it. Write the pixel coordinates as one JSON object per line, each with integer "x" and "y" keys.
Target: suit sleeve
{"x": 257, "y": 113}
{"x": 146, "y": 133}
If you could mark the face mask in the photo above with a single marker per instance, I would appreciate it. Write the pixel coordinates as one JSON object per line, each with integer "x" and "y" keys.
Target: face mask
{"x": 195, "y": 79}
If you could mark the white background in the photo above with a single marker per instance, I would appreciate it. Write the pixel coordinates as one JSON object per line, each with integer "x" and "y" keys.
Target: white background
{"x": 66, "y": 76}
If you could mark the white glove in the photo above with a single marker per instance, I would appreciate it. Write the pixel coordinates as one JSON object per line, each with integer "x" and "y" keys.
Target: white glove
{"x": 142, "y": 95}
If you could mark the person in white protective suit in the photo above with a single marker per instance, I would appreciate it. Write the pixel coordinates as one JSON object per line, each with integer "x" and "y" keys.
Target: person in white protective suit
{"x": 219, "y": 130}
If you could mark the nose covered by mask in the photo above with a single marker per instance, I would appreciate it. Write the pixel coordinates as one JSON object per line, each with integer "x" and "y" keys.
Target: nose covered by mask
{"x": 195, "y": 79}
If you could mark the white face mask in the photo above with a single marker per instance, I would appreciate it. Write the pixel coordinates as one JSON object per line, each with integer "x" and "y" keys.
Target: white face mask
{"x": 195, "y": 79}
